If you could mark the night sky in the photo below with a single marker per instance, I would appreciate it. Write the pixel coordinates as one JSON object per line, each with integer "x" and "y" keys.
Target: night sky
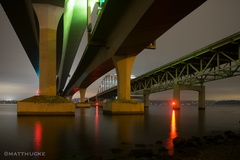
{"x": 214, "y": 20}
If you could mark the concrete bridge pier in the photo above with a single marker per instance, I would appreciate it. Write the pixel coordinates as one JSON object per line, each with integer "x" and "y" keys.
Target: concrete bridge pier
{"x": 124, "y": 104}
{"x": 82, "y": 104}
{"x": 146, "y": 99}
{"x": 47, "y": 103}
{"x": 176, "y": 95}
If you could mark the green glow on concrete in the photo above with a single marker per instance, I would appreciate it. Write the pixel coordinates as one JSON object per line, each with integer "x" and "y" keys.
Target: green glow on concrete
{"x": 75, "y": 13}
{"x": 75, "y": 22}
{"x": 70, "y": 4}
{"x": 101, "y": 2}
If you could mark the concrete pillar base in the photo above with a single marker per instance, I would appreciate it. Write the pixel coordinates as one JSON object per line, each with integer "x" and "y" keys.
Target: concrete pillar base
{"x": 82, "y": 105}
{"x": 45, "y": 105}
{"x": 123, "y": 107}
{"x": 176, "y": 108}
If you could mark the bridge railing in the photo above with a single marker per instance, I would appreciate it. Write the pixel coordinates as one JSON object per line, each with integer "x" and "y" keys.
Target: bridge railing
{"x": 216, "y": 61}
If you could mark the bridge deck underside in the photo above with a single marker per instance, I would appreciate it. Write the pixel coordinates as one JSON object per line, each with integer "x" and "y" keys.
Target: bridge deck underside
{"x": 159, "y": 17}
{"x": 216, "y": 61}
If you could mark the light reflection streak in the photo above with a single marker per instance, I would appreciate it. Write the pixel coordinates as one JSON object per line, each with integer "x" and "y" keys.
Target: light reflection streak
{"x": 37, "y": 136}
{"x": 96, "y": 124}
{"x": 173, "y": 134}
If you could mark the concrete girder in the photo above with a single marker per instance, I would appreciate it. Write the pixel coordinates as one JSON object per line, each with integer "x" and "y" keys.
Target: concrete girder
{"x": 75, "y": 22}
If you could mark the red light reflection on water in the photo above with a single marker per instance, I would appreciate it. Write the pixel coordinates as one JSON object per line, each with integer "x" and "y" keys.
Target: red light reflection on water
{"x": 173, "y": 134}
{"x": 96, "y": 125}
{"x": 37, "y": 136}
{"x": 96, "y": 110}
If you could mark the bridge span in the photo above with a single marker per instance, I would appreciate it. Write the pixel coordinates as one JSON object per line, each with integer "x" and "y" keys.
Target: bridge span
{"x": 216, "y": 61}
{"x": 51, "y": 30}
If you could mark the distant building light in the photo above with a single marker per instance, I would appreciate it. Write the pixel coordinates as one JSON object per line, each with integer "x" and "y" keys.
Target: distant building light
{"x": 133, "y": 76}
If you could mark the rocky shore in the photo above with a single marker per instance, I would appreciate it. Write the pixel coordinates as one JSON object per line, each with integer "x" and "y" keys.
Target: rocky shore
{"x": 210, "y": 147}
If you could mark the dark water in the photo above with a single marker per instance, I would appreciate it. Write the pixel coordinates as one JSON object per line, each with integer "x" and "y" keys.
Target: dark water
{"x": 92, "y": 133}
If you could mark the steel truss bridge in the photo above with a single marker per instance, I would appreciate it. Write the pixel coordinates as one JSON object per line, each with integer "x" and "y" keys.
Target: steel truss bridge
{"x": 216, "y": 61}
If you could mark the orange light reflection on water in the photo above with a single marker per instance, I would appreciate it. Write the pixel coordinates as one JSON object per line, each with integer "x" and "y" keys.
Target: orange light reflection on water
{"x": 173, "y": 134}
{"x": 37, "y": 136}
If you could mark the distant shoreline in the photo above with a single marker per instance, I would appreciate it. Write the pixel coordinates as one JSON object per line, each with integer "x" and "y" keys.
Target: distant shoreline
{"x": 235, "y": 102}
{"x": 165, "y": 102}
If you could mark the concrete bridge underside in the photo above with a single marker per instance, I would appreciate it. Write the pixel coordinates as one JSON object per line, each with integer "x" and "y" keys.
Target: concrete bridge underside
{"x": 125, "y": 34}
{"x": 120, "y": 37}
{"x": 122, "y": 31}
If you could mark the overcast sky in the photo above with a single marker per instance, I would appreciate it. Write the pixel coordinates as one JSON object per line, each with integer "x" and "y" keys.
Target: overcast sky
{"x": 214, "y": 20}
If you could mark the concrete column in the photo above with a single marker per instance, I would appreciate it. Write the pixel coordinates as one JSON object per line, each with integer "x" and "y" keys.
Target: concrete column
{"x": 82, "y": 103}
{"x": 146, "y": 100}
{"x": 238, "y": 52}
{"x": 123, "y": 65}
{"x": 82, "y": 94}
{"x": 48, "y": 18}
{"x": 201, "y": 98}
{"x": 123, "y": 105}
{"x": 201, "y": 95}
{"x": 176, "y": 97}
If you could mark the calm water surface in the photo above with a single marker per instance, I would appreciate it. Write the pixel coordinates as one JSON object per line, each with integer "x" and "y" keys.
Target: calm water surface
{"x": 90, "y": 132}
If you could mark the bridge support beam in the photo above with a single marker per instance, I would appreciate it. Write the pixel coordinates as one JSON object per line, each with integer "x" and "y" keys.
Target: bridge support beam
{"x": 47, "y": 103}
{"x": 123, "y": 105}
{"x": 82, "y": 103}
{"x": 201, "y": 95}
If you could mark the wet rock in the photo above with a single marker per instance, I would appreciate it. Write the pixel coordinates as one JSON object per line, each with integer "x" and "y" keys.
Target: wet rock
{"x": 209, "y": 139}
{"x": 125, "y": 143}
{"x": 162, "y": 149}
{"x": 192, "y": 143}
{"x": 116, "y": 150}
{"x": 140, "y": 145}
{"x": 230, "y": 134}
{"x": 195, "y": 142}
{"x": 165, "y": 157}
{"x": 94, "y": 158}
{"x": 188, "y": 151}
{"x": 137, "y": 153}
{"x": 219, "y": 139}
{"x": 159, "y": 142}
{"x": 179, "y": 142}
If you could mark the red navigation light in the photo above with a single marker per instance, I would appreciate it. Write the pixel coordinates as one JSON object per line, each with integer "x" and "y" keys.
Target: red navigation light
{"x": 38, "y": 92}
{"x": 96, "y": 103}
{"x": 173, "y": 103}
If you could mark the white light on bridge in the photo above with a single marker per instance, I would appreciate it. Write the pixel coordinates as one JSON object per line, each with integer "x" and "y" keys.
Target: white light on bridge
{"x": 133, "y": 76}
